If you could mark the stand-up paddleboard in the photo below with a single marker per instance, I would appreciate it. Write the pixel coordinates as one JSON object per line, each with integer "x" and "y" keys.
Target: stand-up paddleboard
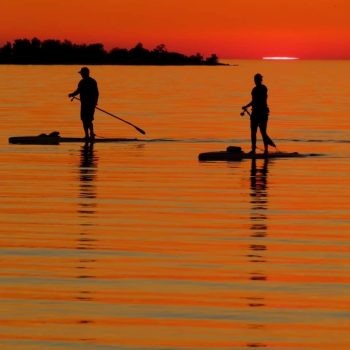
{"x": 234, "y": 153}
{"x": 55, "y": 139}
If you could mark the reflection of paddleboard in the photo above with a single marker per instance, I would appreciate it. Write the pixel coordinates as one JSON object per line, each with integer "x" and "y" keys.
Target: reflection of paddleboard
{"x": 235, "y": 153}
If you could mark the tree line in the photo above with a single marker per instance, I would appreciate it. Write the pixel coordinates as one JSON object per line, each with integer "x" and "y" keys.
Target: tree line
{"x": 52, "y": 51}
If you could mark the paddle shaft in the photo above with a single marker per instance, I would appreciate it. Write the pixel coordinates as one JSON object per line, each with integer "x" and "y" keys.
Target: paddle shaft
{"x": 114, "y": 116}
{"x": 245, "y": 110}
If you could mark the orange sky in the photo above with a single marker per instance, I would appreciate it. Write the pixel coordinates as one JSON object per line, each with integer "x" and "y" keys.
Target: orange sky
{"x": 229, "y": 28}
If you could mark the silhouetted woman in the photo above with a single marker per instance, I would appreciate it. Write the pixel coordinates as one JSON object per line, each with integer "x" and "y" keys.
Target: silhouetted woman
{"x": 260, "y": 113}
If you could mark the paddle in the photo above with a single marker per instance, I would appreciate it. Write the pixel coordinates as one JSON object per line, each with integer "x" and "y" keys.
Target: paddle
{"x": 114, "y": 116}
{"x": 269, "y": 141}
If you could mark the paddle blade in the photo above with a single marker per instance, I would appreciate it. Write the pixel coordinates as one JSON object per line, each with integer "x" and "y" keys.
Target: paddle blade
{"x": 140, "y": 130}
{"x": 271, "y": 143}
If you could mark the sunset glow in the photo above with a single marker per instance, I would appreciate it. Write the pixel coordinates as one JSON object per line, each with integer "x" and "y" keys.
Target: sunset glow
{"x": 232, "y": 29}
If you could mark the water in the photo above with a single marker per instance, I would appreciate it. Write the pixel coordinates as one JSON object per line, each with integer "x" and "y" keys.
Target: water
{"x": 139, "y": 246}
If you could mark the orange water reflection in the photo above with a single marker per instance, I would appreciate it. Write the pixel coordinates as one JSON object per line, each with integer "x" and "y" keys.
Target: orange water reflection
{"x": 140, "y": 246}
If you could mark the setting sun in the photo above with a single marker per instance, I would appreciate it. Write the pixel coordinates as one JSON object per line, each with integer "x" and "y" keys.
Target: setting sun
{"x": 280, "y": 58}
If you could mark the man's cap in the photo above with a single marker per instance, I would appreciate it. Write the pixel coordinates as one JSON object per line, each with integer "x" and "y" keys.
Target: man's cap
{"x": 84, "y": 70}
{"x": 258, "y": 75}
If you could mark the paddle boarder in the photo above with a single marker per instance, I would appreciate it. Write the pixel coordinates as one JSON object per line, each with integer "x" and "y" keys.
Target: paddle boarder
{"x": 260, "y": 114}
{"x": 88, "y": 91}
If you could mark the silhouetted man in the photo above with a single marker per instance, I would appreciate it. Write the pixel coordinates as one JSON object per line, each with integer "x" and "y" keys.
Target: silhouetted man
{"x": 260, "y": 113}
{"x": 88, "y": 91}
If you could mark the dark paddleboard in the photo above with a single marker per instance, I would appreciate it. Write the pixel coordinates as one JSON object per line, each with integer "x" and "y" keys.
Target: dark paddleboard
{"x": 234, "y": 153}
{"x": 56, "y": 140}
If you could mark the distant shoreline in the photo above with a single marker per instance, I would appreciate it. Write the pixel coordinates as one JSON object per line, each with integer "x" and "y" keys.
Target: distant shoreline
{"x": 56, "y": 52}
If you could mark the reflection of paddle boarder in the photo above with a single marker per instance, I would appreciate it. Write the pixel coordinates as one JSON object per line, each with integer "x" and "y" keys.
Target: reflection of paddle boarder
{"x": 260, "y": 113}
{"x": 88, "y": 91}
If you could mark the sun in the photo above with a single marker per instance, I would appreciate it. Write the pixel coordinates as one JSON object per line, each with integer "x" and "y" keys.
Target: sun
{"x": 280, "y": 58}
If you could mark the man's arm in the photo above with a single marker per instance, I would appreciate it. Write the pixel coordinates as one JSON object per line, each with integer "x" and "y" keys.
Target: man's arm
{"x": 248, "y": 105}
{"x": 76, "y": 92}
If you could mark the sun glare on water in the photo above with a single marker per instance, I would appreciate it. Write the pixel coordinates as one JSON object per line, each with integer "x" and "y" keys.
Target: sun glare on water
{"x": 280, "y": 58}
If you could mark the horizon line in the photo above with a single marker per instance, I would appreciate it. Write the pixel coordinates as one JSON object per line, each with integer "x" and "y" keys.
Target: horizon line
{"x": 287, "y": 59}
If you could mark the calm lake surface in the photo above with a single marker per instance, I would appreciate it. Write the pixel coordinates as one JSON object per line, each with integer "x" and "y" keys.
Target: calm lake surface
{"x": 138, "y": 246}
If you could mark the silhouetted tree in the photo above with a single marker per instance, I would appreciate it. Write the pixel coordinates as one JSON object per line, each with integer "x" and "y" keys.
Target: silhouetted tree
{"x": 212, "y": 60}
{"x": 139, "y": 55}
{"x": 51, "y": 51}
{"x": 35, "y": 50}
{"x": 118, "y": 56}
{"x": 6, "y": 53}
{"x": 21, "y": 50}
{"x": 160, "y": 49}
